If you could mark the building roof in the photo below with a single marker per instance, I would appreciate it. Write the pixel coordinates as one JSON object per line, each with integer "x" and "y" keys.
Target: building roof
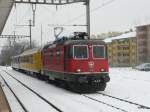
{"x": 143, "y": 25}
{"x": 5, "y": 8}
{"x": 123, "y": 36}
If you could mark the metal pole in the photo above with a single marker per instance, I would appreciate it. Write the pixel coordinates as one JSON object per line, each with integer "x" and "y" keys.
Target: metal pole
{"x": 33, "y": 9}
{"x": 88, "y": 17}
{"x": 41, "y": 34}
{"x": 14, "y": 38}
{"x": 30, "y": 32}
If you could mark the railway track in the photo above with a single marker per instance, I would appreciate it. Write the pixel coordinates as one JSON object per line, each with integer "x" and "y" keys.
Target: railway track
{"x": 107, "y": 100}
{"x": 60, "y": 110}
{"x": 102, "y": 102}
{"x": 86, "y": 102}
{"x": 34, "y": 92}
{"x": 130, "y": 102}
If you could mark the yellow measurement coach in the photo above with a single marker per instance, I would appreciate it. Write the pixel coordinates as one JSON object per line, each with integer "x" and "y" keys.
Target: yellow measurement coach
{"x": 29, "y": 60}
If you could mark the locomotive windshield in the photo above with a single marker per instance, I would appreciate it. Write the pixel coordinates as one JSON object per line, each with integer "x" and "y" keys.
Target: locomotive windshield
{"x": 80, "y": 52}
{"x": 98, "y": 51}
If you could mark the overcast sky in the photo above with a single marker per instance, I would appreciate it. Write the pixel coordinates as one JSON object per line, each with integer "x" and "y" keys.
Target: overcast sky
{"x": 119, "y": 15}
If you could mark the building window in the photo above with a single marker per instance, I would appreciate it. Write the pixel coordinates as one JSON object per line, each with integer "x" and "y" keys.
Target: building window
{"x": 119, "y": 54}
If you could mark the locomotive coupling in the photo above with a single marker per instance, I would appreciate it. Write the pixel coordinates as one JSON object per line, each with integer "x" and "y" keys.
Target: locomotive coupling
{"x": 82, "y": 80}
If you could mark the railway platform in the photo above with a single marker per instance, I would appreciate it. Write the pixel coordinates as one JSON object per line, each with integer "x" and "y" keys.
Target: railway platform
{"x": 4, "y": 106}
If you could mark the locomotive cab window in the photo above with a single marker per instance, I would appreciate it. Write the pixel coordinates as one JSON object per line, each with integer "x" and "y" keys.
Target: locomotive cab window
{"x": 98, "y": 51}
{"x": 80, "y": 52}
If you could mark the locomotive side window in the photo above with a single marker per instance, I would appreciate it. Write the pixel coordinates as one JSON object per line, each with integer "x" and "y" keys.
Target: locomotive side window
{"x": 80, "y": 52}
{"x": 51, "y": 55}
{"x": 57, "y": 55}
{"x": 98, "y": 51}
{"x": 70, "y": 52}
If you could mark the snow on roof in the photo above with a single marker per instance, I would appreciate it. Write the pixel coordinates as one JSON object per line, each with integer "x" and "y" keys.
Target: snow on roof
{"x": 125, "y": 35}
{"x": 108, "y": 40}
{"x": 30, "y": 51}
{"x": 142, "y": 25}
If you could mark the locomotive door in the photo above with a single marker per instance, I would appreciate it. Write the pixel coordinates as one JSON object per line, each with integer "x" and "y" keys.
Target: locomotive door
{"x": 65, "y": 58}
{"x": 67, "y": 55}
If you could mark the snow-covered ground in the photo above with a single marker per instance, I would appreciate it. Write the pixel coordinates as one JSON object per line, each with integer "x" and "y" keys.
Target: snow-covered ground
{"x": 130, "y": 84}
{"x": 125, "y": 83}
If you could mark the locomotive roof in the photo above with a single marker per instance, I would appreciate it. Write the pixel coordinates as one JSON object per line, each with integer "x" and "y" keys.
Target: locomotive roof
{"x": 77, "y": 42}
{"x": 92, "y": 41}
{"x": 28, "y": 52}
{"x": 78, "y": 38}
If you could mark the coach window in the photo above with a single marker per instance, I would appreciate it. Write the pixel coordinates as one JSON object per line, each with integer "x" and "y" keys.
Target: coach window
{"x": 30, "y": 59}
{"x": 98, "y": 51}
{"x": 57, "y": 55}
{"x": 18, "y": 60}
{"x": 23, "y": 59}
{"x": 26, "y": 59}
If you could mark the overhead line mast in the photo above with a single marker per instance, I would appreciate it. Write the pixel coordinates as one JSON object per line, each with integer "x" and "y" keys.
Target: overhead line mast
{"x": 88, "y": 17}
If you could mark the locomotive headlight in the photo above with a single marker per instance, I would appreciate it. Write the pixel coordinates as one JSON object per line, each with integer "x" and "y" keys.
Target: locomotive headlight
{"x": 102, "y": 70}
{"x": 78, "y": 70}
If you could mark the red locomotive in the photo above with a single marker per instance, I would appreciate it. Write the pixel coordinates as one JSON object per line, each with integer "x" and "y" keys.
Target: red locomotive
{"x": 78, "y": 62}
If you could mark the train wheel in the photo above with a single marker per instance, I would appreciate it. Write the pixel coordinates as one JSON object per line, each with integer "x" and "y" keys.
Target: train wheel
{"x": 39, "y": 76}
{"x": 78, "y": 87}
{"x": 61, "y": 83}
{"x": 86, "y": 88}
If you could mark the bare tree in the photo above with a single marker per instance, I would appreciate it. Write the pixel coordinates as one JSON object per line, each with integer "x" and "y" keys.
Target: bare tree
{"x": 13, "y": 50}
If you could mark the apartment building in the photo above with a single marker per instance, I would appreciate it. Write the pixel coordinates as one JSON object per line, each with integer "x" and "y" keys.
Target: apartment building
{"x": 143, "y": 43}
{"x": 133, "y": 51}
{"x": 109, "y": 53}
{"x": 122, "y": 50}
